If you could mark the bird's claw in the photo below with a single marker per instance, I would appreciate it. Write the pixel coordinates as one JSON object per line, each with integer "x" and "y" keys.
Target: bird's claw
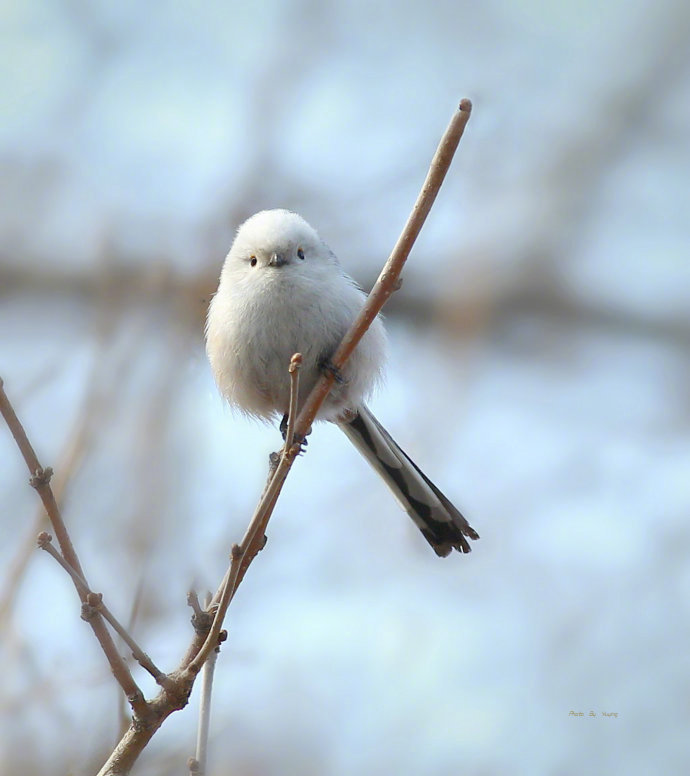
{"x": 301, "y": 441}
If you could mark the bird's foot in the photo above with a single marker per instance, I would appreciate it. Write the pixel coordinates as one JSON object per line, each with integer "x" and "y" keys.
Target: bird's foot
{"x": 302, "y": 441}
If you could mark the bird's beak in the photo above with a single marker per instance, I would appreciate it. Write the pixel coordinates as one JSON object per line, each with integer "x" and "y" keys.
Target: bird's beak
{"x": 277, "y": 260}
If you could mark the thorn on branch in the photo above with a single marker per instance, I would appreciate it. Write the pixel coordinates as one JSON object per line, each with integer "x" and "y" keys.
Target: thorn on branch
{"x": 41, "y": 477}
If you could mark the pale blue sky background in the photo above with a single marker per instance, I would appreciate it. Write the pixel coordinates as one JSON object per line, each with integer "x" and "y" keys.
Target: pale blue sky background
{"x": 538, "y": 372}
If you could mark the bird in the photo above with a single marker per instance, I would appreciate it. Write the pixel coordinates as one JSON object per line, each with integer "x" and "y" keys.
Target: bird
{"x": 283, "y": 291}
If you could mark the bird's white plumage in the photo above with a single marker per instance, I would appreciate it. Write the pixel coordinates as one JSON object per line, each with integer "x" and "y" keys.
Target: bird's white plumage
{"x": 283, "y": 292}
{"x": 262, "y": 314}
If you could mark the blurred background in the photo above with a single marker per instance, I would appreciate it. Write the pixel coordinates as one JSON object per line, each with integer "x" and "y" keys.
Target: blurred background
{"x": 538, "y": 372}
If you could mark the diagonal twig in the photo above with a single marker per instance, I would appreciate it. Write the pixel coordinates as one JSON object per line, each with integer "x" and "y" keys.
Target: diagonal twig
{"x": 40, "y": 480}
{"x": 93, "y": 602}
{"x": 387, "y": 282}
{"x": 197, "y": 764}
{"x": 253, "y": 540}
{"x": 293, "y": 370}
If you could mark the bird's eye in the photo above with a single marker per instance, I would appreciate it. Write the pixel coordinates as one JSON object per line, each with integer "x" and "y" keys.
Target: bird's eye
{"x": 252, "y": 261}
{"x": 300, "y": 253}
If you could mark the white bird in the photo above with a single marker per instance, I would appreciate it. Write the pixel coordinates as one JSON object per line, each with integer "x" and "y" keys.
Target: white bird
{"x": 282, "y": 291}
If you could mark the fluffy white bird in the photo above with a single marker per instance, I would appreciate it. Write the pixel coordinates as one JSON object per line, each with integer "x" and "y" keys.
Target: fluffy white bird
{"x": 282, "y": 291}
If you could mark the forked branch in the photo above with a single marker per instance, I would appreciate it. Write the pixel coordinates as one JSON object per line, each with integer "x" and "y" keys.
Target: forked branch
{"x": 40, "y": 480}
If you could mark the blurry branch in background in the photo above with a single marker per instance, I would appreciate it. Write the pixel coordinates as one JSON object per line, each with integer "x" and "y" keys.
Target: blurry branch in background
{"x": 177, "y": 685}
{"x": 578, "y": 167}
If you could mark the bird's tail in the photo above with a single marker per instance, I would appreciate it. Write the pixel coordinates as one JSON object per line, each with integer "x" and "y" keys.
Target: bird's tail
{"x": 442, "y": 524}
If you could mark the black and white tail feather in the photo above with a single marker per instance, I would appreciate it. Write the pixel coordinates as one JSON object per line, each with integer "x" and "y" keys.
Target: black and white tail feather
{"x": 442, "y": 525}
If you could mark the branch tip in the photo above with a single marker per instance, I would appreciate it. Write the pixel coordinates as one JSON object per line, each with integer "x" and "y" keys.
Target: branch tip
{"x": 385, "y": 285}
{"x": 44, "y": 539}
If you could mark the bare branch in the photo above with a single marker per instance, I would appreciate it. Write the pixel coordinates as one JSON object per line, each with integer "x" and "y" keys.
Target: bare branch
{"x": 99, "y": 382}
{"x": 197, "y": 764}
{"x": 388, "y": 280}
{"x": 295, "y": 364}
{"x": 254, "y": 539}
{"x": 40, "y": 480}
{"x": 94, "y": 601}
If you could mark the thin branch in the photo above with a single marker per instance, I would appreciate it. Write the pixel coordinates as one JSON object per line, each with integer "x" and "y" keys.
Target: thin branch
{"x": 388, "y": 280}
{"x": 124, "y": 717}
{"x": 226, "y": 592}
{"x": 205, "y": 710}
{"x": 40, "y": 480}
{"x": 295, "y": 364}
{"x": 197, "y": 764}
{"x": 99, "y": 381}
{"x": 94, "y": 601}
{"x": 253, "y": 541}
